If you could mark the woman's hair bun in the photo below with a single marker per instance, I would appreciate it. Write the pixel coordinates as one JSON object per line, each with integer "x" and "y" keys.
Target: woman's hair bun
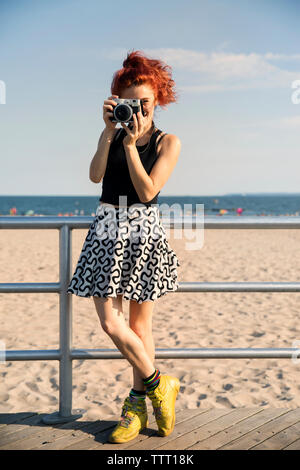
{"x": 133, "y": 59}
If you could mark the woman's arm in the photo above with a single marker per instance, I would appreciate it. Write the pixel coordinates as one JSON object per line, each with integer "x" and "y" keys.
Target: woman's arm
{"x": 99, "y": 161}
{"x": 147, "y": 186}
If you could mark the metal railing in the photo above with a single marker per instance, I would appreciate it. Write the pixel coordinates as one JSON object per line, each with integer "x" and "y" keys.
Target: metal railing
{"x": 66, "y": 353}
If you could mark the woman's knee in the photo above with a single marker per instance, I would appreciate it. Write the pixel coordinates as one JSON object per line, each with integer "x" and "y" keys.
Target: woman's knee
{"x": 141, "y": 329}
{"x": 110, "y": 314}
{"x": 110, "y": 327}
{"x": 140, "y": 318}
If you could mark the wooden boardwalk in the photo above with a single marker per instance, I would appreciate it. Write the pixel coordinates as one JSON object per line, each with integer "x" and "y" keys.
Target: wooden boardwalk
{"x": 203, "y": 429}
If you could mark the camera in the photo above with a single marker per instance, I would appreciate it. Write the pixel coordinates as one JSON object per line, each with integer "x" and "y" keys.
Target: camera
{"x": 125, "y": 108}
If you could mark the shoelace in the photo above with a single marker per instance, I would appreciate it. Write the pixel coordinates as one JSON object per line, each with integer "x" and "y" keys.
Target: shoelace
{"x": 127, "y": 418}
{"x": 157, "y": 404}
{"x": 157, "y": 411}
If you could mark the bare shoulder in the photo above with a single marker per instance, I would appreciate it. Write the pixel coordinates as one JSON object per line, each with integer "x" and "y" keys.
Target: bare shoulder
{"x": 173, "y": 138}
{"x": 169, "y": 141}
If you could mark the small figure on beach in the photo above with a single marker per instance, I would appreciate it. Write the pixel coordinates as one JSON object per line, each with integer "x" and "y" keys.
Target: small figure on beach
{"x": 29, "y": 212}
{"x": 223, "y": 211}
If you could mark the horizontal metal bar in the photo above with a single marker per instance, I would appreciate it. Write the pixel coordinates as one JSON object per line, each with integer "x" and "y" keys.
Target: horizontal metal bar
{"x": 187, "y": 353}
{"x": 44, "y": 222}
{"x": 32, "y": 355}
{"x": 183, "y": 287}
{"x": 249, "y": 222}
{"x": 183, "y": 353}
{"x": 238, "y": 287}
{"x": 207, "y": 222}
{"x": 192, "y": 353}
{"x": 12, "y": 287}
{"x": 231, "y": 222}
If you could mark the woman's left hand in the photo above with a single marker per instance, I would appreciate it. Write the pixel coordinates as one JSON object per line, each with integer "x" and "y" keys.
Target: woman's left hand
{"x": 136, "y": 131}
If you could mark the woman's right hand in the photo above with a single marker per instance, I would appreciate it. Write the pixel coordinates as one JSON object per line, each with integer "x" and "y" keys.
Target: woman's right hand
{"x": 108, "y": 107}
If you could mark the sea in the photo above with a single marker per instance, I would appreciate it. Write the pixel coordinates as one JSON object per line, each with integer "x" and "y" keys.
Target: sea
{"x": 252, "y": 204}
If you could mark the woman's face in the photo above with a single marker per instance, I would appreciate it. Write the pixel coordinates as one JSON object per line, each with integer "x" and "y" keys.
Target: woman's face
{"x": 146, "y": 95}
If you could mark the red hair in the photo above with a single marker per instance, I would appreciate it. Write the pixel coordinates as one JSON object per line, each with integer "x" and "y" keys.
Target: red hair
{"x": 138, "y": 70}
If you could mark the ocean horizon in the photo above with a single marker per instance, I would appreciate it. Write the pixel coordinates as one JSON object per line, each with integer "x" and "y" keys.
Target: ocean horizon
{"x": 248, "y": 204}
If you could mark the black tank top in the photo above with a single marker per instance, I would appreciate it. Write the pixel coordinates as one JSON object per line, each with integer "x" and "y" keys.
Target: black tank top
{"x": 116, "y": 181}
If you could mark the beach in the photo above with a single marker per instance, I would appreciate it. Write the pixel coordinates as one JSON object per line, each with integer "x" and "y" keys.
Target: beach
{"x": 180, "y": 320}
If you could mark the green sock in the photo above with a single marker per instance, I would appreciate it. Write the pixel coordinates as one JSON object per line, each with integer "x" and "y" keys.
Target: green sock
{"x": 152, "y": 381}
{"x": 138, "y": 394}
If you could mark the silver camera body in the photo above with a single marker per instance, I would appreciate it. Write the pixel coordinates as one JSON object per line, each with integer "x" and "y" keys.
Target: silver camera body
{"x": 125, "y": 109}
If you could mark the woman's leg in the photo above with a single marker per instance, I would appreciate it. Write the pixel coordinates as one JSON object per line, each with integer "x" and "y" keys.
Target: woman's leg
{"x": 140, "y": 321}
{"x": 110, "y": 312}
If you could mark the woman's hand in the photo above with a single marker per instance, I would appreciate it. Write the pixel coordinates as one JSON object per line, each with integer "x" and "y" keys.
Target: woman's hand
{"x": 135, "y": 131}
{"x": 108, "y": 112}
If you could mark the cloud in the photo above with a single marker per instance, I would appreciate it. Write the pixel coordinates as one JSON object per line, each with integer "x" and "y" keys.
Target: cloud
{"x": 291, "y": 57}
{"x": 201, "y": 72}
{"x": 221, "y": 71}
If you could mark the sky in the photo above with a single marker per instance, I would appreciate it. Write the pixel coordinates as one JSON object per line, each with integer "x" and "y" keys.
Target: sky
{"x": 234, "y": 63}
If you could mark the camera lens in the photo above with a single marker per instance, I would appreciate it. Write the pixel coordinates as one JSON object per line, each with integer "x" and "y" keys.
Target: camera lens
{"x": 122, "y": 112}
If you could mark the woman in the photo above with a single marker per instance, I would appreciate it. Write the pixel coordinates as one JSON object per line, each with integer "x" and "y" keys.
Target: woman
{"x": 134, "y": 161}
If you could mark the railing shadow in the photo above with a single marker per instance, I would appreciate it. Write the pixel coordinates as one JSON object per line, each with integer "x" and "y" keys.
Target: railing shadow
{"x": 27, "y": 428}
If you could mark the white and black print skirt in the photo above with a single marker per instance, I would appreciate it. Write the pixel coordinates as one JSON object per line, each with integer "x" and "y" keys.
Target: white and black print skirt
{"x": 126, "y": 251}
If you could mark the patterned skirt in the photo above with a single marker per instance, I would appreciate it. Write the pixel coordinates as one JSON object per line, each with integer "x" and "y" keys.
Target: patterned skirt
{"x": 126, "y": 251}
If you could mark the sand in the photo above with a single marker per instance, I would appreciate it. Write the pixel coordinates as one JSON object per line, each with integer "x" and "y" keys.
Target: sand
{"x": 180, "y": 320}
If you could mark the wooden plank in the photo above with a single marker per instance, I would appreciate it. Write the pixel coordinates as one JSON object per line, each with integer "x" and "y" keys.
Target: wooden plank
{"x": 264, "y": 431}
{"x": 25, "y": 439}
{"x": 265, "y": 428}
{"x": 150, "y": 437}
{"x": 28, "y": 427}
{"x": 193, "y": 440}
{"x": 281, "y": 439}
{"x": 8, "y": 418}
{"x": 97, "y": 435}
{"x": 247, "y": 424}
{"x": 190, "y": 436}
{"x": 73, "y": 437}
{"x": 79, "y": 440}
{"x": 294, "y": 446}
{"x": 100, "y": 439}
{"x": 192, "y": 423}
{"x": 33, "y": 437}
{"x": 5, "y": 428}
{"x": 36, "y": 435}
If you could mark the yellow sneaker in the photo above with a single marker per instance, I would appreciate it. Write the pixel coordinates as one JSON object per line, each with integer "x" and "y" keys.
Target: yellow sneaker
{"x": 134, "y": 418}
{"x": 163, "y": 400}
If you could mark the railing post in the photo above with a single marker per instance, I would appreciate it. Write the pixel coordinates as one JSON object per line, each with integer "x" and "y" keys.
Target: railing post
{"x": 65, "y": 334}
